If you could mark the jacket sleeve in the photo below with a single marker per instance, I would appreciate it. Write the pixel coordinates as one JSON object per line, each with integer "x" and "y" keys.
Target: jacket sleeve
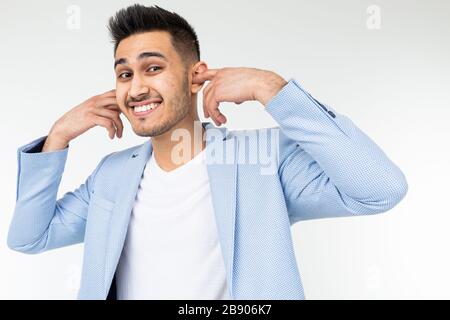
{"x": 327, "y": 166}
{"x": 40, "y": 222}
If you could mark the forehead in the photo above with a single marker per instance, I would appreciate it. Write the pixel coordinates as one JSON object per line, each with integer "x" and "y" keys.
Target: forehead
{"x": 158, "y": 41}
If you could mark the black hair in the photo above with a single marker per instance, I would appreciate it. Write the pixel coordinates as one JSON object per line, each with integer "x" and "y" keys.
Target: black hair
{"x": 138, "y": 19}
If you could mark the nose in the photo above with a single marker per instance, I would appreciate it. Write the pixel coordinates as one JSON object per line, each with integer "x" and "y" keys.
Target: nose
{"x": 137, "y": 88}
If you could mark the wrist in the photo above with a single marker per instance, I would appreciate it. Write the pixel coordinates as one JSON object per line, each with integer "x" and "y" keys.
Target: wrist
{"x": 54, "y": 142}
{"x": 271, "y": 84}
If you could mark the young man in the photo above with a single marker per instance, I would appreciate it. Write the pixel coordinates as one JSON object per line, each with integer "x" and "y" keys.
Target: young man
{"x": 158, "y": 225}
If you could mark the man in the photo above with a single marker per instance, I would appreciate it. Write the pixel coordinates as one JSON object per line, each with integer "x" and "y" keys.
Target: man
{"x": 171, "y": 220}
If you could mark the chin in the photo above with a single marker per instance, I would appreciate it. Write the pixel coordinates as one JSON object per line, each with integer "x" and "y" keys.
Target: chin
{"x": 150, "y": 131}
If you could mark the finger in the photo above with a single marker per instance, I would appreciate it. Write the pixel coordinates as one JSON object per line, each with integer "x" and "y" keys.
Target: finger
{"x": 114, "y": 107}
{"x": 109, "y": 93}
{"x": 103, "y": 102}
{"x": 208, "y": 102}
{"x": 208, "y": 75}
{"x": 220, "y": 118}
{"x": 105, "y": 123}
{"x": 115, "y": 117}
{"x": 205, "y": 92}
{"x": 206, "y": 113}
{"x": 206, "y": 97}
{"x": 212, "y": 106}
{"x": 119, "y": 126}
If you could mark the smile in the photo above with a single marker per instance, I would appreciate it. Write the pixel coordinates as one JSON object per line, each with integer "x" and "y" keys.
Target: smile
{"x": 147, "y": 109}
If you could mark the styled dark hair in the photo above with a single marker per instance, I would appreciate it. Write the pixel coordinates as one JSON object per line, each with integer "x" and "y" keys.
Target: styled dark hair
{"x": 138, "y": 19}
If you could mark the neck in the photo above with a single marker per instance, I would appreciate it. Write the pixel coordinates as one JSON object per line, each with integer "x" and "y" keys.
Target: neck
{"x": 187, "y": 141}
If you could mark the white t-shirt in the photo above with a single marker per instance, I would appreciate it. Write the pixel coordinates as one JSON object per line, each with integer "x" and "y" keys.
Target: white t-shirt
{"x": 172, "y": 249}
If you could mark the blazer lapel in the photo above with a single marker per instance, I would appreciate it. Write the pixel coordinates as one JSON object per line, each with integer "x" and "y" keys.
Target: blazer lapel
{"x": 222, "y": 178}
{"x": 126, "y": 194}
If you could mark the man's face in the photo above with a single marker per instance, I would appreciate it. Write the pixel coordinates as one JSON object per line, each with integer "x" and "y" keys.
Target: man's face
{"x": 152, "y": 88}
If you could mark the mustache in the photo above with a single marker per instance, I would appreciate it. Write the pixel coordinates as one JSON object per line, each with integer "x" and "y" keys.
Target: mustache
{"x": 133, "y": 100}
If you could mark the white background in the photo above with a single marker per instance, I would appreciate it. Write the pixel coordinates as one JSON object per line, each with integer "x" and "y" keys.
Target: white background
{"x": 393, "y": 83}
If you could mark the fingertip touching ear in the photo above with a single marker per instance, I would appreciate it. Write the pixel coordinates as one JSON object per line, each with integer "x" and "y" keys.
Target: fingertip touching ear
{"x": 197, "y": 69}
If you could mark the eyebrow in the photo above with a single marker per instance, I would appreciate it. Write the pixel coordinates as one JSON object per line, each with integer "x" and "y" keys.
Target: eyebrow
{"x": 141, "y": 56}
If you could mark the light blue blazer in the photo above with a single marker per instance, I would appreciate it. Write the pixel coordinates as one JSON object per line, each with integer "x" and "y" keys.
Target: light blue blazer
{"x": 324, "y": 167}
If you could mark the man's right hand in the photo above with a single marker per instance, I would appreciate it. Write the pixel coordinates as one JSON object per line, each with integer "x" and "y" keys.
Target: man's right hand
{"x": 101, "y": 110}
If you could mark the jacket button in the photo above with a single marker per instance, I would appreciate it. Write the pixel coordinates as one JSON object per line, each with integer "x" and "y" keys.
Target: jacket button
{"x": 332, "y": 114}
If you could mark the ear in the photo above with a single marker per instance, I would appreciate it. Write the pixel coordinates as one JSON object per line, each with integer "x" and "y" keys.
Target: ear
{"x": 197, "y": 68}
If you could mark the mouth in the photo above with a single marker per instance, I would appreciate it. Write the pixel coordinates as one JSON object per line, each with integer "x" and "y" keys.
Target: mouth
{"x": 145, "y": 109}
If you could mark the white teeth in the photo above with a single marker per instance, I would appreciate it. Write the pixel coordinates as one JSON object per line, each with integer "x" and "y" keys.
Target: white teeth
{"x": 146, "y": 107}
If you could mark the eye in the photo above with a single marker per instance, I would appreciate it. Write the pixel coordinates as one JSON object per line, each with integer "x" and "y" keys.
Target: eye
{"x": 124, "y": 75}
{"x": 153, "y": 68}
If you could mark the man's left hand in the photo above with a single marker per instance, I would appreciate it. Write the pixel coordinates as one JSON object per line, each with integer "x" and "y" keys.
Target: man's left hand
{"x": 236, "y": 85}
